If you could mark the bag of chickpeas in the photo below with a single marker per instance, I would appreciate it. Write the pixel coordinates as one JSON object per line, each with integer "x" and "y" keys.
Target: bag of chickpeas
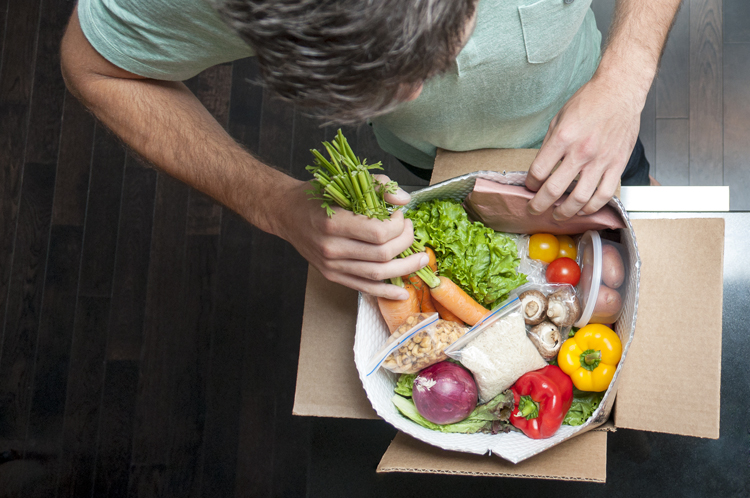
{"x": 418, "y": 343}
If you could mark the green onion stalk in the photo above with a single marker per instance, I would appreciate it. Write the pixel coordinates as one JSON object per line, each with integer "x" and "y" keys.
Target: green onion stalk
{"x": 345, "y": 180}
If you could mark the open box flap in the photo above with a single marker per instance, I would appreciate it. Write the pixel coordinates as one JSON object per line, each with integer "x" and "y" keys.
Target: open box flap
{"x": 674, "y": 363}
{"x": 583, "y": 458}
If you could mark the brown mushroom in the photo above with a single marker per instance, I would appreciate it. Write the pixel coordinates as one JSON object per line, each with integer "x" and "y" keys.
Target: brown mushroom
{"x": 547, "y": 339}
{"x": 563, "y": 307}
{"x": 534, "y": 305}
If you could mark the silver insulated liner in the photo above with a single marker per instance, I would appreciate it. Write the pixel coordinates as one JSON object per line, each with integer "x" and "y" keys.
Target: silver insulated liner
{"x": 372, "y": 333}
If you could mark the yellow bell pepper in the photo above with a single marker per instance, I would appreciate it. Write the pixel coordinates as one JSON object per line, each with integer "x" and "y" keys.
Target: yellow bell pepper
{"x": 590, "y": 357}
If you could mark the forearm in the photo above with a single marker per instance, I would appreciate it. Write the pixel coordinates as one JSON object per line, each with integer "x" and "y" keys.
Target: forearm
{"x": 636, "y": 41}
{"x": 165, "y": 124}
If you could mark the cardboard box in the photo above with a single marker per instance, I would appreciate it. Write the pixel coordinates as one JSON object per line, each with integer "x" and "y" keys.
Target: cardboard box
{"x": 674, "y": 353}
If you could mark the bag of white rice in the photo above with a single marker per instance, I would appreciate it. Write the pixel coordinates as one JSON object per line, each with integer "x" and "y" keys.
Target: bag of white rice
{"x": 497, "y": 350}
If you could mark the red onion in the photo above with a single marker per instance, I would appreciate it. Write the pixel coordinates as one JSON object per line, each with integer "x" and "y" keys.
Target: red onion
{"x": 444, "y": 393}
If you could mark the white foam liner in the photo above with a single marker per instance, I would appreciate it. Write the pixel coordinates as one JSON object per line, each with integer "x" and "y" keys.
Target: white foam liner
{"x": 372, "y": 333}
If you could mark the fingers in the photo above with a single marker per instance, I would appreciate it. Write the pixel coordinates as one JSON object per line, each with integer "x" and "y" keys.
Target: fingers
{"x": 353, "y": 226}
{"x": 400, "y": 197}
{"x": 546, "y": 159}
{"x": 554, "y": 187}
{"x": 369, "y": 270}
{"x": 379, "y": 289}
{"x": 366, "y": 276}
{"x": 605, "y": 191}
{"x": 580, "y": 195}
{"x": 333, "y": 248}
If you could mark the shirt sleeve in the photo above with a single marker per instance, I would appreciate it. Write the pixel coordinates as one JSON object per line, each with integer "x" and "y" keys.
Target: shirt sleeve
{"x": 160, "y": 39}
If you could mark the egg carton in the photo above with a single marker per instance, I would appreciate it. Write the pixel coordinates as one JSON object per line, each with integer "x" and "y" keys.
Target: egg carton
{"x": 372, "y": 333}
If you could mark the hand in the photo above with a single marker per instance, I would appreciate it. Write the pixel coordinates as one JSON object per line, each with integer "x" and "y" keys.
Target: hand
{"x": 593, "y": 135}
{"x": 351, "y": 249}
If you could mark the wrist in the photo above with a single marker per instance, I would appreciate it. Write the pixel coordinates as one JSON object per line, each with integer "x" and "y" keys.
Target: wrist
{"x": 619, "y": 77}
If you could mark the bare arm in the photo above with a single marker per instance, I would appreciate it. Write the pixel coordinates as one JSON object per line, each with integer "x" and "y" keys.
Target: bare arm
{"x": 595, "y": 131}
{"x": 167, "y": 125}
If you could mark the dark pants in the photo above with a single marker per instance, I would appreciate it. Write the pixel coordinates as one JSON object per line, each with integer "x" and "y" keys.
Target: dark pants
{"x": 636, "y": 172}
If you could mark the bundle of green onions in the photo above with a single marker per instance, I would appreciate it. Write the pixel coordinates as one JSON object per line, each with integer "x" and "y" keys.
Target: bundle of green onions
{"x": 346, "y": 180}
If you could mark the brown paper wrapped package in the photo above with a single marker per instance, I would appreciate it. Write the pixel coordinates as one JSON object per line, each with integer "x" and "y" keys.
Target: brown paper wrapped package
{"x": 503, "y": 208}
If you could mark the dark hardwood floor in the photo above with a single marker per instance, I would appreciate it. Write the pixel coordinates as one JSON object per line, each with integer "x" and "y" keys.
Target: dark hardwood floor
{"x": 149, "y": 337}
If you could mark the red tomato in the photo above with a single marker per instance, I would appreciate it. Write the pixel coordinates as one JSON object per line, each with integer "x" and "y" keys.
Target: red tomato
{"x": 563, "y": 271}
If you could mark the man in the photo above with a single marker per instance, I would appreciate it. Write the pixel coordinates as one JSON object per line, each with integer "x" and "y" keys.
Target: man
{"x": 429, "y": 73}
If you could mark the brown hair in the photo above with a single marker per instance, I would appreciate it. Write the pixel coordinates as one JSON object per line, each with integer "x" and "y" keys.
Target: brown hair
{"x": 348, "y": 60}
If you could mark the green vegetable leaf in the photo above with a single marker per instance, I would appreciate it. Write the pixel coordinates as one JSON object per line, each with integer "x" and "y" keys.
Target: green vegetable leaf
{"x": 584, "y": 405}
{"x": 404, "y": 385}
{"x": 490, "y": 418}
{"x": 481, "y": 261}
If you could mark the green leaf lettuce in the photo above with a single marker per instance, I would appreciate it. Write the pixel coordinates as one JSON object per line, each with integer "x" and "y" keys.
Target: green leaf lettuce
{"x": 479, "y": 260}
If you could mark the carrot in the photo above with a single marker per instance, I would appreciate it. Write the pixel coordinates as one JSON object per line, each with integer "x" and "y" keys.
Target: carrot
{"x": 397, "y": 311}
{"x": 414, "y": 280}
{"x": 426, "y": 303}
{"x": 433, "y": 259}
{"x": 457, "y": 301}
{"x": 445, "y": 313}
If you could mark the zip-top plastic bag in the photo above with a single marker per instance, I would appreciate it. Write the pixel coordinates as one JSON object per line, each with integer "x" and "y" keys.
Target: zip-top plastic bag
{"x": 497, "y": 350}
{"x": 418, "y": 343}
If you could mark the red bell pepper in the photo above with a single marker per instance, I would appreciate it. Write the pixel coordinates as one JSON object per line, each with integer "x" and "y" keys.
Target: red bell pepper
{"x": 542, "y": 398}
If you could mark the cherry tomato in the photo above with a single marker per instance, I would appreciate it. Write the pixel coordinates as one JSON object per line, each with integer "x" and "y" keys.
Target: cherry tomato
{"x": 563, "y": 271}
{"x": 544, "y": 247}
{"x": 567, "y": 247}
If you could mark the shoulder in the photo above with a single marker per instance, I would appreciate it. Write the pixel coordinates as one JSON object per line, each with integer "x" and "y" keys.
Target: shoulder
{"x": 160, "y": 39}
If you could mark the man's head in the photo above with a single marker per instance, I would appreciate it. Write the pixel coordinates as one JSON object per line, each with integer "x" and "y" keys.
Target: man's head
{"x": 350, "y": 59}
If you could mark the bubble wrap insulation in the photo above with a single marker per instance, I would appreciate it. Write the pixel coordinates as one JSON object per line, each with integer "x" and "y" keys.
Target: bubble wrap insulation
{"x": 372, "y": 333}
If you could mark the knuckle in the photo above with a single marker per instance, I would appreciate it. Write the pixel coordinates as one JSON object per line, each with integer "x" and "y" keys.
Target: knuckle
{"x": 328, "y": 251}
{"x": 327, "y": 225}
{"x": 382, "y": 254}
{"x": 380, "y": 235}
{"x": 580, "y": 198}
{"x": 555, "y": 188}
{"x": 375, "y": 273}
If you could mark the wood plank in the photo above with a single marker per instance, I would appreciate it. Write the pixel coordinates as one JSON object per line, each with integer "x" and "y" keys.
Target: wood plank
{"x": 737, "y": 124}
{"x": 164, "y": 322}
{"x": 117, "y": 412}
{"x": 102, "y": 215}
{"x": 706, "y": 98}
{"x": 246, "y": 102}
{"x": 673, "y": 151}
{"x": 189, "y": 362}
{"x": 258, "y": 430}
{"x": 131, "y": 265}
{"x": 673, "y": 80}
{"x": 73, "y": 164}
{"x": 3, "y": 18}
{"x": 48, "y": 88}
{"x": 16, "y": 81}
{"x": 232, "y": 335}
{"x": 55, "y": 339}
{"x": 83, "y": 398}
{"x": 736, "y": 21}
{"x": 23, "y": 305}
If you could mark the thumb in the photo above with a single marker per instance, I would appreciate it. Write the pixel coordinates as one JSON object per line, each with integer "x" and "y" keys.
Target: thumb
{"x": 400, "y": 197}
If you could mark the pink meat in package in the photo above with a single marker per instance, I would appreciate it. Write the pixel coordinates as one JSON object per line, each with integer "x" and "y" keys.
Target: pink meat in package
{"x": 503, "y": 208}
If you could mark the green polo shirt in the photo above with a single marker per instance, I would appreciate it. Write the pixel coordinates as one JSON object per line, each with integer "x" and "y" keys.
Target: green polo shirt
{"x": 522, "y": 63}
